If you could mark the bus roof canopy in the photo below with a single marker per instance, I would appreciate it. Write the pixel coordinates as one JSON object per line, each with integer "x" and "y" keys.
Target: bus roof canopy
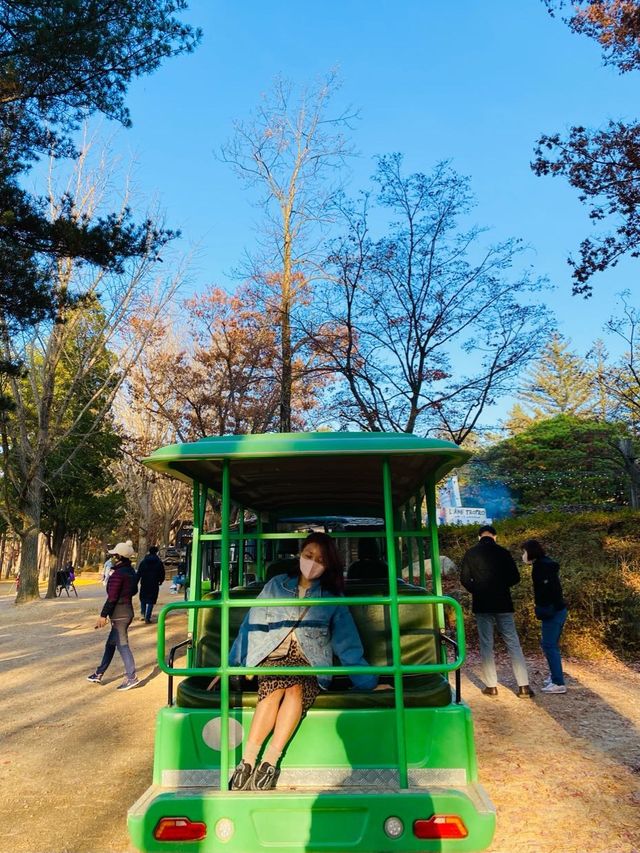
{"x": 324, "y": 473}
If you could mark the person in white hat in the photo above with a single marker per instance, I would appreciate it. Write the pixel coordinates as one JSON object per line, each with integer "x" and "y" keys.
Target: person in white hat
{"x": 118, "y": 608}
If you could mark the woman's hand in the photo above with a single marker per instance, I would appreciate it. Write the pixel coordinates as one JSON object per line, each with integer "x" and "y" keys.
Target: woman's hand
{"x": 383, "y": 687}
{"x": 102, "y": 621}
{"x": 213, "y": 682}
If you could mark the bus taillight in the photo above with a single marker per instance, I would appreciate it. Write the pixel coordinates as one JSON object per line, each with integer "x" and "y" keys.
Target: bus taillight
{"x": 440, "y": 826}
{"x": 179, "y": 829}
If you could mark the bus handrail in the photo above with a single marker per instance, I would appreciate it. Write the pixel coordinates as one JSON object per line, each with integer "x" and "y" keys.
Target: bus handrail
{"x": 172, "y": 654}
{"x": 225, "y": 670}
{"x": 447, "y": 640}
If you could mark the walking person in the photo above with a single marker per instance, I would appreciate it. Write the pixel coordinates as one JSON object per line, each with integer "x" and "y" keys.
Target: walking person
{"x": 550, "y": 608}
{"x": 488, "y": 571}
{"x": 118, "y": 608}
{"x": 150, "y": 576}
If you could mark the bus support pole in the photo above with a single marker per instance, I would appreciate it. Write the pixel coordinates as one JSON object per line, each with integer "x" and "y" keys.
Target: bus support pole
{"x": 436, "y": 573}
{"x": 389, "y": 520}
{"x": 241, "y": 579}
{"x": 196, "y": 565}
{"x": 420, "y": 543}
{"x": 224, "y": 625}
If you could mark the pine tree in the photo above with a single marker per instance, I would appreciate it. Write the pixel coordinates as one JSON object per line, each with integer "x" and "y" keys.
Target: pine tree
{"x": 559, "y": 383}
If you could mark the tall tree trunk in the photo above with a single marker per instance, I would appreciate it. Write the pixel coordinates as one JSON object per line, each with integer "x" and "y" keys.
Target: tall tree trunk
{"x": 29, "y": 538}
{"x": 625, "y": 446}
{"x": 286, "y": 298}
{"x": 286, "y": 378}
{"x": 144, "y": 519}
{"x": 3, "y": 547}
{"x": 55, "y": 542}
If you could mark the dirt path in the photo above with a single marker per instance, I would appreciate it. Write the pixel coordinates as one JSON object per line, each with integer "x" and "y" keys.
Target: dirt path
{"x": 563, "y": 771}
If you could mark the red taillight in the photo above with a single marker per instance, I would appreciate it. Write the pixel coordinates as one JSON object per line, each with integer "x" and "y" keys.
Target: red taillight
{"x": 179, "y": 829}
{"x": 440, "y": 826}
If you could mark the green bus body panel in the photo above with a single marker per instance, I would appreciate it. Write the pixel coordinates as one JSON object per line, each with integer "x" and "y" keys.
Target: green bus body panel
{"x": 437, "y": 738}
{"x": 305, "y": 819}
{"x": 301, "y": 822}
{"x": 275, "y": 473}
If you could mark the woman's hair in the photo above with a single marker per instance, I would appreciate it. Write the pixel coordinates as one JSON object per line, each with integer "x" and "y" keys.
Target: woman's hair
{"x": 534, "y": 549}
{"x": 332, "y": 579}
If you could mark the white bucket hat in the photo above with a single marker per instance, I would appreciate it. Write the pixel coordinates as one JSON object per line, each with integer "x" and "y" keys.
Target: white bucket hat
{"x": 123, "y": 549}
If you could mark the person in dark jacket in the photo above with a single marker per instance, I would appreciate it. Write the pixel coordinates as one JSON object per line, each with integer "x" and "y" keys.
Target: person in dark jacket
{"x": 121, "y": 587}
{"x": 489, "y": 571}
{"x": 150, "y": 575}
{"x": 550, "y": 608}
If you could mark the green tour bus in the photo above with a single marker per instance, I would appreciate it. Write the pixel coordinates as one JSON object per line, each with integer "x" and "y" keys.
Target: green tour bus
{"x": 366, "y": 771}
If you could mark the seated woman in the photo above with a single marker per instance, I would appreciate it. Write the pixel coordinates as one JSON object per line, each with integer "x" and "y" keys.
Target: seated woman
{"x": 293, "y": 636}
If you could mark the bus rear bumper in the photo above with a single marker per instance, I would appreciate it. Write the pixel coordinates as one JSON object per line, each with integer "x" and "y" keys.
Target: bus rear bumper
{"x": 304, "y": 820}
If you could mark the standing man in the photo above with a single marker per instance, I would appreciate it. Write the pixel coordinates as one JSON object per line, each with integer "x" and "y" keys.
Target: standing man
{"x": 118, "y": 608}
{"x": 489, "y": 571}
{"x": 150, "y": 575}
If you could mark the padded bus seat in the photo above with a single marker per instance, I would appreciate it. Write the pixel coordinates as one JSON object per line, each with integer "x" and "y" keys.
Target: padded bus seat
{"x": 419, "y": 643}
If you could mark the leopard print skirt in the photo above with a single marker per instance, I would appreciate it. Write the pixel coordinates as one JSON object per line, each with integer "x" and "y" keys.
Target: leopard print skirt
{"x": 267, "y": 684}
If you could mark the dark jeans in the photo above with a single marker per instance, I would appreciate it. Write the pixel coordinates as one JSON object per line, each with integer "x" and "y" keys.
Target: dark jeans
{"x": 551, "y": 631}
{"x": 146, "y": 609}
{"x": 118, "y": 639}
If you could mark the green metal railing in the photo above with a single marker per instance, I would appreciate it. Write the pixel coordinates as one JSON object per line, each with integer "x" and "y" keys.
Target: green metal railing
{"x": 397, "y": 669}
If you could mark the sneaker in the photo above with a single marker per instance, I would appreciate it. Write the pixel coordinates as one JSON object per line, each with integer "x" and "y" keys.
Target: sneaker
{"x": 128, "y": 683}
{"x": 265, "y": 777}
{"x": 554, "y": 688}
{"x": 241, "y": 777}
{"x": 548, "y": 680}
{"x": 95, "y": 678}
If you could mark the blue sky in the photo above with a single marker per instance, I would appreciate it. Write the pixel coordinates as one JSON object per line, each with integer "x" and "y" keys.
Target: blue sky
{"x": 473, "y": 81}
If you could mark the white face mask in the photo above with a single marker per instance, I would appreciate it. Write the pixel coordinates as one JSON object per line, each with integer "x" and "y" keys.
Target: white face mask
{"x": 310, "y": 569}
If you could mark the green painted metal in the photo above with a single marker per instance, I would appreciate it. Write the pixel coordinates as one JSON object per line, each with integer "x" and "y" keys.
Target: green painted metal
{"x": 449, "y": 666}
{"x": 420, "y": 543}
{"x": 260, "y": 550}
{"x": 436, "y": 571}
{"x": 241, "y": 541}
{"x": 395, "y": 627}
{"x": 436, "y": 739}
{"x": 345, "y": 476}
{"x": 303, "y": 444}
{"x": 224, "y": 624}
{"x": 195, "y": 583}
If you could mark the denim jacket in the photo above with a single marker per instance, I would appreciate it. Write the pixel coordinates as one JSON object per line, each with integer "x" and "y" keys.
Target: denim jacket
{"x": 321, "y": 632}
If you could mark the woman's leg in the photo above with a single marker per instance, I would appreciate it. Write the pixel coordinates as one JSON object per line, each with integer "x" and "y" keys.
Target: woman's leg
{"x": 287, "y": 719}
{"x": 550, "y": 642}
{"x": 264, "y": 718}
{"x": 109, "y": 651}
{"x": 122, "y": 642}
